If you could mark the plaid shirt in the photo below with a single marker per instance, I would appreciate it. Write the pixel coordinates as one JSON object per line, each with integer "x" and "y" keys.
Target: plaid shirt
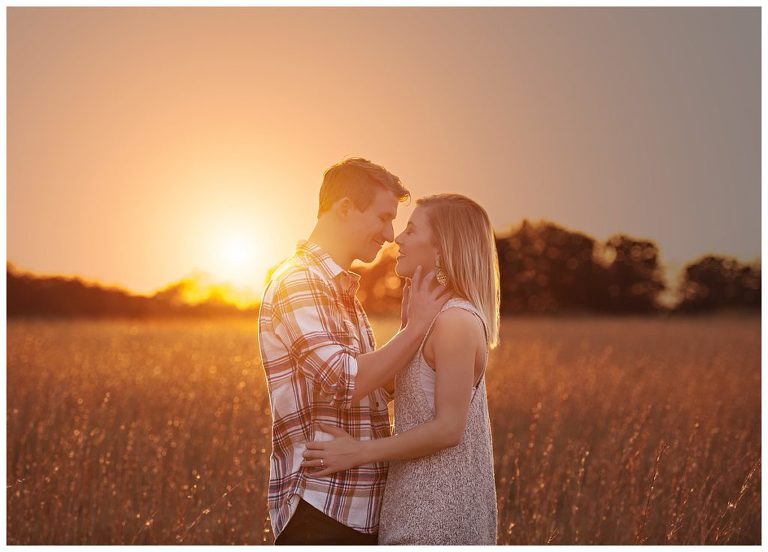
{"x": 311, "y": 328}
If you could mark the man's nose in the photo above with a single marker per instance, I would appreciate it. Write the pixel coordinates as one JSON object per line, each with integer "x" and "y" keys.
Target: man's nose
{"x": 389, "y": 233}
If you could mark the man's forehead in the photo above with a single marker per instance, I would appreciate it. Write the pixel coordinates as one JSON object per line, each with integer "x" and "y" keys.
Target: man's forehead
{"x": 389, "y": 210}
{"x": 386, "y": 203}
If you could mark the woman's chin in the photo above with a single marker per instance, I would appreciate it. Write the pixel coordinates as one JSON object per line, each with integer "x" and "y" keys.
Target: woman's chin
{"x": 403, "y": 271}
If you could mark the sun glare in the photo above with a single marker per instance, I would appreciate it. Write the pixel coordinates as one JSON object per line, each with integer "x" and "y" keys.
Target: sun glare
{"x": 236, "y": 253}
{"x": 236, "y": 258}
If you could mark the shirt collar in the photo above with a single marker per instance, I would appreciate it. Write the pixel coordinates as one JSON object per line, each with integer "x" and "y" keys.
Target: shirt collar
{"x": 350, "y": 281}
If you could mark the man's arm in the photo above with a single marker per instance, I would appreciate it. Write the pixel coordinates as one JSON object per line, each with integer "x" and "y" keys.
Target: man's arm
{"x": 306, "y": 319}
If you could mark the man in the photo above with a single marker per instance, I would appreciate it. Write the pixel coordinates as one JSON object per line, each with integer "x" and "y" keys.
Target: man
{"x": 319, "y": 356}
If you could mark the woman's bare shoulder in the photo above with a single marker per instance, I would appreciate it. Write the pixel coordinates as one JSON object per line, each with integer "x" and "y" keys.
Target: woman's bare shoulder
{"x": 453, "y": 326}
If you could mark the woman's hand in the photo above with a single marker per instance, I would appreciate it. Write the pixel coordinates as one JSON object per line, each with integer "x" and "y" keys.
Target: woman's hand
{"x": 339, "y": 454}
{"x": 425, "y": 299}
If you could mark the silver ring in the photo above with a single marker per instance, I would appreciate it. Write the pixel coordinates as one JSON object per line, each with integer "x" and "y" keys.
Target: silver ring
{"x": 322, "y": 463}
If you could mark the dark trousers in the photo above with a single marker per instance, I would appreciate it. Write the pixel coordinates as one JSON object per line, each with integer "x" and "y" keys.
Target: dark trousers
{"x": 308, "y": 525}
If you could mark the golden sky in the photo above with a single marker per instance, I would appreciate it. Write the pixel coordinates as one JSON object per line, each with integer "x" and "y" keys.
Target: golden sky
{"x": 145, "y": 143}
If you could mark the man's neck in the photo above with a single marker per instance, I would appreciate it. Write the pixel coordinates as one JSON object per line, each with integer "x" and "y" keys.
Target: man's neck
{"x": 331, "y": 244}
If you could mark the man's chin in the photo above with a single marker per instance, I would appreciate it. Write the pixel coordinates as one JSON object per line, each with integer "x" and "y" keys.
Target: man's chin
{"x": 370, "y": 257}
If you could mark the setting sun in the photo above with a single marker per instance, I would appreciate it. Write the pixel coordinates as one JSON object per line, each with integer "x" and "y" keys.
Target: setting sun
{"x": 233, "y": 261}
{"x": 236, "y": 257}
{"x": 236, "y": 253}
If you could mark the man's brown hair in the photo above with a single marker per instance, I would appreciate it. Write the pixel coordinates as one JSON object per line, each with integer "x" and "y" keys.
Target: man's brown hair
{"x": 357, "y": 179}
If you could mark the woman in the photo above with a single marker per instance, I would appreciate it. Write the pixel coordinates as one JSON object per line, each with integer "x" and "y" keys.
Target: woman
{"x": 440, "y": 487}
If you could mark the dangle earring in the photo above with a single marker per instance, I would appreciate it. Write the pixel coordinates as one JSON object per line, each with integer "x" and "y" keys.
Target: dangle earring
{"x": 440, "y": 275}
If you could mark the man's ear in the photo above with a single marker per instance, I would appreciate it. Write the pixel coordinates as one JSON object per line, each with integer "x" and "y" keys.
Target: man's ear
{"x": 343, "y": 207}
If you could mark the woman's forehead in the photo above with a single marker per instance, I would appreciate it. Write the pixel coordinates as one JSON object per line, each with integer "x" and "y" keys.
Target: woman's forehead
{"x": 419, "y": 216}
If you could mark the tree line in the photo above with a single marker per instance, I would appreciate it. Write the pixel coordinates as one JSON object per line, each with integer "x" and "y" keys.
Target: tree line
{"x": 60, "y": 297}
{"x": 544, "y": 268}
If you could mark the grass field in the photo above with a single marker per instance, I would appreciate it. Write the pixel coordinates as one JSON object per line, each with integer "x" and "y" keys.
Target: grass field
{"x": 605, "y": 430}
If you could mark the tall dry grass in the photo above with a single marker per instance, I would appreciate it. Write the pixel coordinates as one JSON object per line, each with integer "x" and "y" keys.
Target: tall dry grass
{"x": 628, "y": 431}
{"x": 605, "y": 431}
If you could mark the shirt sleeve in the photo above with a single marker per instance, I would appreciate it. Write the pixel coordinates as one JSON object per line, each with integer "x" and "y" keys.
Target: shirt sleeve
{"x": 307, "y": 320}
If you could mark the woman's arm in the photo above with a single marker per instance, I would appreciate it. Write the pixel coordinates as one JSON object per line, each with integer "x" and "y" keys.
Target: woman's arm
{"x": 455, "y": 342}
{"x": 377, "y": 368}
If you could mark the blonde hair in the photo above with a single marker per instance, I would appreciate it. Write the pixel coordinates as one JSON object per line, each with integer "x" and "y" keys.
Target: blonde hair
{"x": 357, "y": 179}
{"x": 463, "y": 235}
